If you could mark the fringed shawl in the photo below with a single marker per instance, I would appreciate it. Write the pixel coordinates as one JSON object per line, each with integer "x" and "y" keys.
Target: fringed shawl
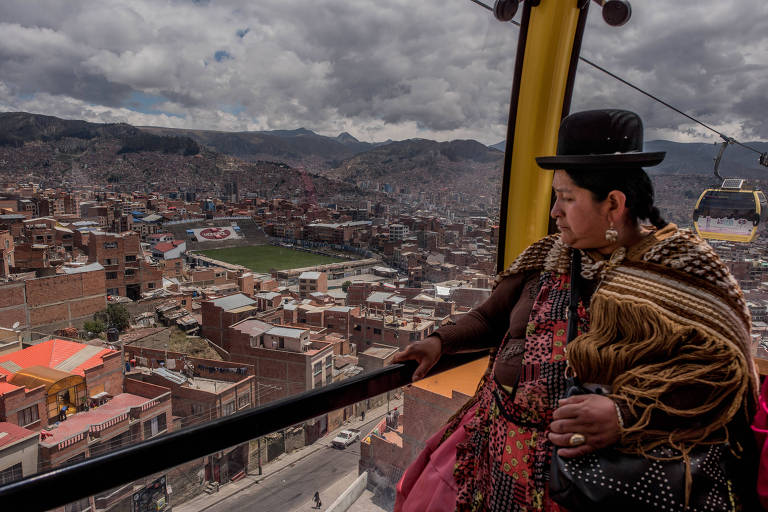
{"x": 666, "y": 317}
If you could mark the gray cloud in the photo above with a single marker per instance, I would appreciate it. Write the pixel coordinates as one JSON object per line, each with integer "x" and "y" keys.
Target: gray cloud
{"x": 379, "y": 70}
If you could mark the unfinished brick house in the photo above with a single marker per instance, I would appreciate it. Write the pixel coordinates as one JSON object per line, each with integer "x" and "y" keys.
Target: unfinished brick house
{"x": 127, "y": 273}
{"x": 53, "y": 302}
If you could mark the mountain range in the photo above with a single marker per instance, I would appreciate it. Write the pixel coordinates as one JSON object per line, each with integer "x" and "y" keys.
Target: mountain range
{"x": 56, "y": 151}
{"x": 693, "y": 158}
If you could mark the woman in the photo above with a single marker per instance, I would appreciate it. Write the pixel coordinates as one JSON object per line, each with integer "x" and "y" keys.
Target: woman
{"x": 662, "y": 325}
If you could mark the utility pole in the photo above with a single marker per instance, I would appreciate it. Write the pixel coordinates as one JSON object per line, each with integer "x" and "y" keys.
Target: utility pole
{"x": 258, "y": 455}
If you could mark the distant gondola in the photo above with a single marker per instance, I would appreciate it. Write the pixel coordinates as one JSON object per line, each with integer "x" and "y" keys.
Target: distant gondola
{"x": 729, "y": 212}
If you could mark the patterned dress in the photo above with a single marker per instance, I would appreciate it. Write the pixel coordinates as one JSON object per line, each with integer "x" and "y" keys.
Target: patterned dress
{"x": 667, "y": 290}
{"x": 504, "y": 463}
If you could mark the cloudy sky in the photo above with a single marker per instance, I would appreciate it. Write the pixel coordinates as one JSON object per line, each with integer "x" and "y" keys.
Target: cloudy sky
{"x": 438, "y": 69}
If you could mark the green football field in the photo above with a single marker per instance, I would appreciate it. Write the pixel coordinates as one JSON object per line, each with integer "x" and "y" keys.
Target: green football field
{"x": 263, "y": 258}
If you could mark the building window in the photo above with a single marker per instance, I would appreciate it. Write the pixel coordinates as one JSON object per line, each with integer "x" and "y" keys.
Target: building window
{"x": 328, "y": 362}
{"x": 357, "y": 327}
{"x": 317, "y": 368}
{"x": 243, "y": 400}
{"x": 11, "y": 474}
{"x": 28, "y": 416}
{"x": 111, "y": 275}
{"x": 109, "y": 261}
{"x": 130, "y": 258}
{"x": 330, "y": 326}
{"x": 376, "y": 331}
{"x": 113, "y": 291}
{"x": 130, "y": 272}
{"x": 150, "y": 285}
{"x": 154, "y": 426}
{"x": 228, "y": 408}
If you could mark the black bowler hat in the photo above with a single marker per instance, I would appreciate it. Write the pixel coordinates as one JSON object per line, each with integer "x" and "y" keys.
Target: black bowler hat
{"x": 600, "y": 139}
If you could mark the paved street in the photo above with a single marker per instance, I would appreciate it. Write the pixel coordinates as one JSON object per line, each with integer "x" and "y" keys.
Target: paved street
{"x": 289, "y": 486}
{"x": 293, "y": 486}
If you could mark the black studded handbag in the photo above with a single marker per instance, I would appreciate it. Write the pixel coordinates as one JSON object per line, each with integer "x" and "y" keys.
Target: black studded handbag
{"x": 609, "y": 480}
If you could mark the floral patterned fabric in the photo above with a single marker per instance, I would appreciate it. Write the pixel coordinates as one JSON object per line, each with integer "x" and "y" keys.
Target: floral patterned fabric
{"x": 504, "y": 463}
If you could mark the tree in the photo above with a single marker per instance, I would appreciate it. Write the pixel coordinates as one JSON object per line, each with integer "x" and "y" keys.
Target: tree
{"x": 345, "y": 286}
{"x": 116, "y": 315}
{"x": 94, "y": 326}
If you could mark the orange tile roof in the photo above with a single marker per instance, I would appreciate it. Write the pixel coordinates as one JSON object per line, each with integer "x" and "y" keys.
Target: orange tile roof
{"x": 463, "y": 379}
{"x": 6, "y": 387}
{"x": 52, "y": 353}
{"x": 10, "y": 433}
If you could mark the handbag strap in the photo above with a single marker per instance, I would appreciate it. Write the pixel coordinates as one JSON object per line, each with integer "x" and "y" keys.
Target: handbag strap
{"x": 573, "y": 305}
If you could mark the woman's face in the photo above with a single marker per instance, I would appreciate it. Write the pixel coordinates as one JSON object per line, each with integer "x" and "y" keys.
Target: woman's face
{"x": 582, "y": 221}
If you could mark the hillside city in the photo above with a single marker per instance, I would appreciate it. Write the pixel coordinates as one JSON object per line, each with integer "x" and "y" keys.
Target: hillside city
{"x": 128, "y": 314}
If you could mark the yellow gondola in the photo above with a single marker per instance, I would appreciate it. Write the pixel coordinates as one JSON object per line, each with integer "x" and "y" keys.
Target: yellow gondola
{"x": 729, "y": 212}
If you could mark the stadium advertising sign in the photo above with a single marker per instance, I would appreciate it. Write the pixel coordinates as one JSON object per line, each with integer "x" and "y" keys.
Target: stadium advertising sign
{"x": 215, "y": 234}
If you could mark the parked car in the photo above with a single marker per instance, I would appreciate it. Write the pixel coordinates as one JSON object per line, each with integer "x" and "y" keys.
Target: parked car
{"x": 346, "y": 438}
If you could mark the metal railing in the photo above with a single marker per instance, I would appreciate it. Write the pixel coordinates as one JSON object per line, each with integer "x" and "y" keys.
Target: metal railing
{"x": 95, "y": 475}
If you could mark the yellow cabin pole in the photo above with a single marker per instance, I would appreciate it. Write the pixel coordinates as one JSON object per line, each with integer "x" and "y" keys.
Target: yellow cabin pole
{"x": 547, "y": 54}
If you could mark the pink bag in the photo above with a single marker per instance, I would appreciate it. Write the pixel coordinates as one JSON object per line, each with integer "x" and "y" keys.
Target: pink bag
{"x": 760, "y": 427}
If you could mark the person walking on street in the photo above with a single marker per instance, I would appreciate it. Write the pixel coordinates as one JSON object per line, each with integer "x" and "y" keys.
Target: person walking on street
{"x": 316, "y": 499}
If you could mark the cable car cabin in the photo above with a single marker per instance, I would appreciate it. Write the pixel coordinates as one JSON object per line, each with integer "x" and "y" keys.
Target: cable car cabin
{"x": 729, "y": 212}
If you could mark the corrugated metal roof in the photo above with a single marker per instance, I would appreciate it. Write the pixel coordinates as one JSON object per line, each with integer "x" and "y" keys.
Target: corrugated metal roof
{"x": 170, "y": 375}
{"x": 235, "y": 301}
{"x": 286, "y": 332}
{"x": 91, "y": 267}
{"x": 10, "y": 366}
{"x": 76, "y": 360}
{"x": 243, "y": 309}
{"x": 309, "y": 275}
{"x": 378, "y": 296}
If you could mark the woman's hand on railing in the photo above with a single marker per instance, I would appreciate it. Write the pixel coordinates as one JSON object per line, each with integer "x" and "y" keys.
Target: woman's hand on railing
{"x": 426, "y": 352}
{"x": 593, "y": 416}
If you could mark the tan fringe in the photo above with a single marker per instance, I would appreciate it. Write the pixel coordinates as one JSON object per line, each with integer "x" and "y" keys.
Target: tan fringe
{"x": 647, "y": 358}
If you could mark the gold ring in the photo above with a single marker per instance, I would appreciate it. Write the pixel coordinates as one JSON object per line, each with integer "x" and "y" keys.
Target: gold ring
{"x": 577, "y": 440}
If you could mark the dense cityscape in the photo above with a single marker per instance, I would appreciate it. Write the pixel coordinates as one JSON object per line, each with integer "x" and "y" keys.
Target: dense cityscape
{"x": 127, "y": 314}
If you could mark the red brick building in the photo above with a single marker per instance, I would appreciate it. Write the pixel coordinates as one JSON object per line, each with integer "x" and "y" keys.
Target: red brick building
{"x": 127, "y": 273}
{"x": 40, "y": 380}
{"x": 427, "y": 405}
{"x": 53, "y": 302}
{"x": 218, "y": 314}
{"x": 310, "y": 282}
{"x": 285, "y": 360}
{"x": 121, "y": 421}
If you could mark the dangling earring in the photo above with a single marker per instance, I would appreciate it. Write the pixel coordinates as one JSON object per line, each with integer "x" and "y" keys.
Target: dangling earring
{"x": 611, "y": 235}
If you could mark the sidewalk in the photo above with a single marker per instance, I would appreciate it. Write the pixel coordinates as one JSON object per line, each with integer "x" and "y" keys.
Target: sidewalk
{"x": 328, "y": 495}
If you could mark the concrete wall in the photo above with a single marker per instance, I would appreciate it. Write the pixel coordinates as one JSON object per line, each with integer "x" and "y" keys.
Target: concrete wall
{"x": 351, "y": 495}
{"x": 24, "y": 452}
